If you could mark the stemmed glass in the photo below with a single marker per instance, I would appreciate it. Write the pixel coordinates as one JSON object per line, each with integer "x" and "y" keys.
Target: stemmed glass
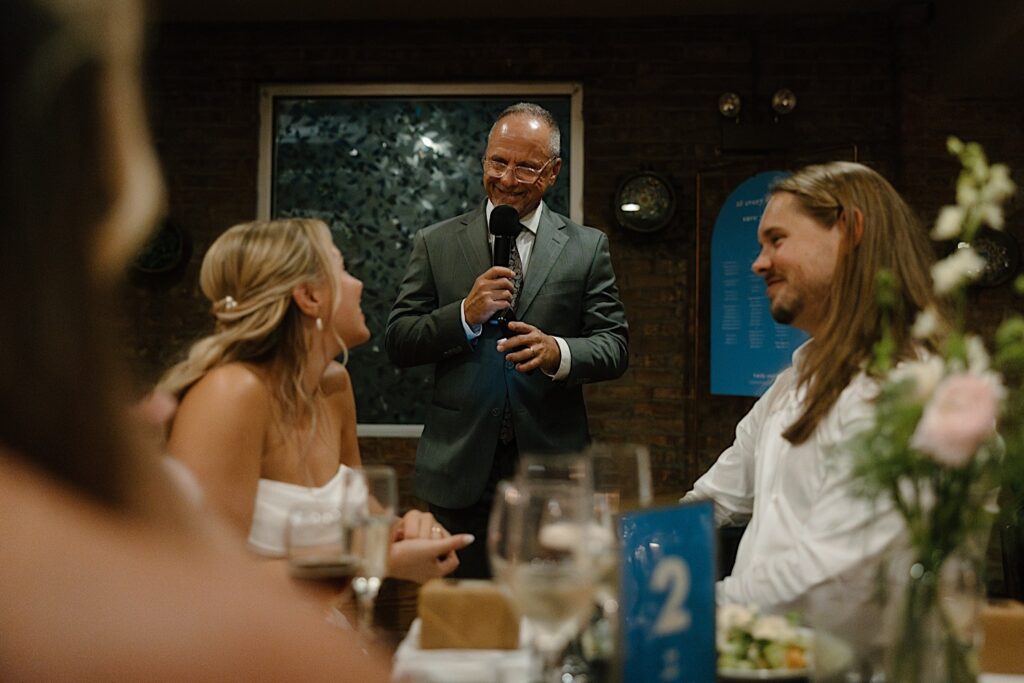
{"x": 622, "y": 482}
{"x": 368, "y": 509}
{"x": 316, "y": 544}
{"x": 570, "y": 468}
{"x": 506, "y": 497}
{"x": 549, "y": 563}
{"x": 623, "y": 472}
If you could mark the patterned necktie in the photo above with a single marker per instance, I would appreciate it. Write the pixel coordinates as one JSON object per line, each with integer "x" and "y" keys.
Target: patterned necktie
{"x": 507, "y": 432}
{"x": 516, "y": 264}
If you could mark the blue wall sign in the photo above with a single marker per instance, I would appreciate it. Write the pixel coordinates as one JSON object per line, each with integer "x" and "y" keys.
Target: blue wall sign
{"x": 748, "y": 348}
{"x": 668, "y": 594}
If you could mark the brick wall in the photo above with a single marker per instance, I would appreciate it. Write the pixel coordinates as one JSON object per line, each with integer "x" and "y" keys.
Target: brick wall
{"x": 650, "y": 93}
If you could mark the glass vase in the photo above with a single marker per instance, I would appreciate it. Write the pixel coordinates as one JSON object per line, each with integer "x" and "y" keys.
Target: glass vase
{"x": 934, "y": 621}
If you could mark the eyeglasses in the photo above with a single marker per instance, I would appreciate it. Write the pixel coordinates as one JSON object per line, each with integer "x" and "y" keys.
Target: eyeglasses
{"x": 523, "y": 174}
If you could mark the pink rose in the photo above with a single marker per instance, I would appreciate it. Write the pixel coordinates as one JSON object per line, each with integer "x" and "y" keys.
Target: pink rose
{"x": 958, "y": 419}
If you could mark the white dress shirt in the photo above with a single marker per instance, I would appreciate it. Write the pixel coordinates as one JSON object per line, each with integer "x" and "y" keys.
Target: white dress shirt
{"x": 811, "y": 543}
{"x": 524, "y": 244}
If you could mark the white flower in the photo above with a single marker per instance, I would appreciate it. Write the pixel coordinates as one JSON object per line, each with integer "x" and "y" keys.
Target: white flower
{"x": 926, "y": 323}
{"x": 949, "y": 223}
{"x": 999, "y": 187}
{"x": 966, "y": 191}
{"x": 977, "y": 356}
{"x": 925, "y": 374}
{"x": 963, "y": 264}
{"x": 991, "y": 215}
{"x": 773, "y": 627}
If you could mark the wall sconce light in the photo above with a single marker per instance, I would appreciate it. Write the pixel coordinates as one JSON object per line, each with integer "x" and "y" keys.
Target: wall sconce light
{"x": 763, "y": 130}
{"x": 783, "y": 101}
{"x": 729, "y": 105}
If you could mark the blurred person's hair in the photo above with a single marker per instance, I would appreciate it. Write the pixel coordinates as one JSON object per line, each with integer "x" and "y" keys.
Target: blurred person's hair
{"x": 248, "y": 275}
{"x": 893, "y": 239}
{"x": 66, "y": 202}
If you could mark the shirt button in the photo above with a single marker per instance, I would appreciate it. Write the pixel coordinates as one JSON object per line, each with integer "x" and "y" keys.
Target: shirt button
{"x": 495, "y": 412}
{"x": 509, "y": 364}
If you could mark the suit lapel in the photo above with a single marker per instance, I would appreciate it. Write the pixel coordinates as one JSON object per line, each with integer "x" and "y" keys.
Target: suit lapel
{"x": 547, "y": 247}
{"x": 473, "y": 241}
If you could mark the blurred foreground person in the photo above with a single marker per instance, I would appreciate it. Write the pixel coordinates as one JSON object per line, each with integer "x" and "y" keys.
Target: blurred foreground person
{"x": 105, "y": 573}
{"x": 268, "y": 417}
{"x": 811, "y": 543}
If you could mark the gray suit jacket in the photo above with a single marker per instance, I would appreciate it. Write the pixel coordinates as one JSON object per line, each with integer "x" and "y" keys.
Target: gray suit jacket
{"x": 569, "y": 291}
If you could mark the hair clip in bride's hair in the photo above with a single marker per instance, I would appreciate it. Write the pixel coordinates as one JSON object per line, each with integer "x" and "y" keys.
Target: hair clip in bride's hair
{"x": 229, "y": 303}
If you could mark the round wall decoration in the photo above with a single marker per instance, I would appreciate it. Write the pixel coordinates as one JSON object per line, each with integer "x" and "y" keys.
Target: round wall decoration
{"x": 644, "y": 202}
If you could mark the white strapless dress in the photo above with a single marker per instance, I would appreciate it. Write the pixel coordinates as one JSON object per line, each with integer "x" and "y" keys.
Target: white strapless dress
{"x": 275, "y": 498}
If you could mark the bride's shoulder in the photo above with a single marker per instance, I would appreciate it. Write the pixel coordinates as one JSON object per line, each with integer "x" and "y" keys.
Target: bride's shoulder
{"x": 238, "y": 383}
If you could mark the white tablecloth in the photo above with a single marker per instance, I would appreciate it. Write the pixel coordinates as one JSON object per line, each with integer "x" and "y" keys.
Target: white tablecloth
{"x": 460, "y": 666}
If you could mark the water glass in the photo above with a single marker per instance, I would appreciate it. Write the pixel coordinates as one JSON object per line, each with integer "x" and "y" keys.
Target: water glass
{"x": 571, "y": 468}
{"x": 316, "y": 544}
{"x": 506, "y": 497}
{"x": 622, "y": 471}
{"x": 369, "y": 506}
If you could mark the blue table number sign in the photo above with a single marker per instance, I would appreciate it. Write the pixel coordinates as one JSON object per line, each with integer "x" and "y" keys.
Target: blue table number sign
{"x": 668, "y": 594}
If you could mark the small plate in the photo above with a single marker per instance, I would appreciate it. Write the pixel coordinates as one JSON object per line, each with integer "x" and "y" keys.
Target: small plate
{"x": 763, "y": 674}
{"x": 832, "y": 655}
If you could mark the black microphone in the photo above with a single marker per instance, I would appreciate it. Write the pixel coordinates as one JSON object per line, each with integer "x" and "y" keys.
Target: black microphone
{"x": 504, "y": 227}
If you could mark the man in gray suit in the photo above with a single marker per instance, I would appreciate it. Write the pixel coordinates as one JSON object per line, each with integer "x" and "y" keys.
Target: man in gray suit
{"x": 499, "y": 390}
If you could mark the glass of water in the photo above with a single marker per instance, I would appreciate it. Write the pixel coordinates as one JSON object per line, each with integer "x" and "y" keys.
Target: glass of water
{"x": 368, "y": 510}
{"x": 316, "y": 543}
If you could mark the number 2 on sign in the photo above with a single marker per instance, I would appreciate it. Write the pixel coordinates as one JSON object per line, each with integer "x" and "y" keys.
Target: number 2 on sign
{"x": 671, "y": 574}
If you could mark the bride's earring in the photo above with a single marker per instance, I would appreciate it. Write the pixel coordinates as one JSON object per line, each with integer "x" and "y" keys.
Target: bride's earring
{"x": 319, "y": 325}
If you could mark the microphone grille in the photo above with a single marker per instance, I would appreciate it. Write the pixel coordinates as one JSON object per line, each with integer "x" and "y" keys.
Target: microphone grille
{"x": 505, "y": 221}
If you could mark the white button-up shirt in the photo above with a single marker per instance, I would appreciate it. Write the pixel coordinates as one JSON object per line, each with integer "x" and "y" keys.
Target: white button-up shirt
{"x": 811, "y": 543}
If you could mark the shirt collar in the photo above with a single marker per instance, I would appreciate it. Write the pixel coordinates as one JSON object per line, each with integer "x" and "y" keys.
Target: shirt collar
{"x": 800, "y": 353}
{"x": 530, "y": 221}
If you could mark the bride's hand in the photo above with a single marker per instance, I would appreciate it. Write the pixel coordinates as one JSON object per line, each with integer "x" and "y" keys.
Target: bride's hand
{"x": 422, "y": 559}
{"x": 419, "y": 524}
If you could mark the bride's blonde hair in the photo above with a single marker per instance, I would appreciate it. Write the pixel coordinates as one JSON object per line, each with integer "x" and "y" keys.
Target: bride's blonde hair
{"x": 248, "y": 275}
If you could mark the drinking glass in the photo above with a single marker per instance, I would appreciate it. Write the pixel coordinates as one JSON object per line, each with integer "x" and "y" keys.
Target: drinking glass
{"x": 368, "y": 509}
{"x": 622, "y": 471}
{"x": 506, "y": 497}
{"x": 550, "y": 570}
{"x": 316, "y": 543}
{"x": 570, "y": 468}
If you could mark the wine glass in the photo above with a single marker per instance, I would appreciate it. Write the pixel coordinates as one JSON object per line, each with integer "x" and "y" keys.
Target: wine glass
{"x": 571, "y": 468}
{"x": 368, "y": 507}
{"x": 622, "y": 471}
{"x": 506, "y": 496}
{"x": 316, "y": 544}
{"x": 550, "y": 571}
